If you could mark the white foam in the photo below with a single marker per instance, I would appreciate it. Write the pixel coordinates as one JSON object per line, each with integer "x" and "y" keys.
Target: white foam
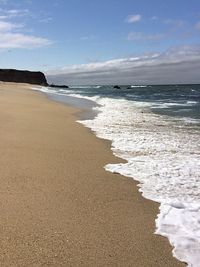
{"x": 45, "y": 89}
{"x": 64, "y": 92}
{"x": 84, "y": 86}
{"x": 192, "y": 102}
{"x": 181, "y": 224}
{"x": 135, "y": 86}
{"x": 169, "y": 105}
{"x": 191, "y": 120}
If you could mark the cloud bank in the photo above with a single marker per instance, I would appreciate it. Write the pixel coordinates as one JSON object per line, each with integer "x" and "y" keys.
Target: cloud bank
{"x": 177, "y": 65}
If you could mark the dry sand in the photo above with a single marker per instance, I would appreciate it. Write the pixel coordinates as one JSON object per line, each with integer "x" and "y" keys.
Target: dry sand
{"x": 58, "y": 206}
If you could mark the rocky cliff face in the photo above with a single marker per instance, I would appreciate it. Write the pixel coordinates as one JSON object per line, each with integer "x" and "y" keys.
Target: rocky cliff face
{"x": 23, "y": 76}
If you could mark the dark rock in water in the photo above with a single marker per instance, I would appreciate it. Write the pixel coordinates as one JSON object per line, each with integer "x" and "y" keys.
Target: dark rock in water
{"x": 58, "y": 86}
{"x": 116, "y": 87}
{"x": 23, "y": 76}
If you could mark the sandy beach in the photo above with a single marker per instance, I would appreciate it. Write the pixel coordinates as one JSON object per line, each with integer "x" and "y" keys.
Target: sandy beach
{"x": 58, "y": 205}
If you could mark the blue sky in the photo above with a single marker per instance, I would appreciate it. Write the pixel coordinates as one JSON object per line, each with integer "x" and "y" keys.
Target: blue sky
{"x": 80, "y": 38}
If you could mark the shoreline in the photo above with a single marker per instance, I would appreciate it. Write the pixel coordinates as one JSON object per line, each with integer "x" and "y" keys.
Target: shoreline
{"x": 57, "y": 209}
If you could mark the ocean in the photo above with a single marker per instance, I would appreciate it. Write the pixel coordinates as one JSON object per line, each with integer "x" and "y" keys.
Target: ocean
{"x": 156, "y": 129}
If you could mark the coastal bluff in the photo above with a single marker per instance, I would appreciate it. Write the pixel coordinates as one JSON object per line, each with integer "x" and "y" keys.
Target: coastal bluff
{"x": 23, "y": 76}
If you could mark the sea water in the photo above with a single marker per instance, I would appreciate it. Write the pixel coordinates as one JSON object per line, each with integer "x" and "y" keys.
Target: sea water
{"x": 156, "y": 129}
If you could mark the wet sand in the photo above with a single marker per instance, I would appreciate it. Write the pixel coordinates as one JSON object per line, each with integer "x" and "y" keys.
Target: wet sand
{"x": 58, "y": 205}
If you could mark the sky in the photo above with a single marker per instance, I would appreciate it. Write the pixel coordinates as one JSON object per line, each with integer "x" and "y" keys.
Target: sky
{"x": 103, "y": 42}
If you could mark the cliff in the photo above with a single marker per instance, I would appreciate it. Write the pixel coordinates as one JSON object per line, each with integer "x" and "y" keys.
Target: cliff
{"x": 23, "y": 76}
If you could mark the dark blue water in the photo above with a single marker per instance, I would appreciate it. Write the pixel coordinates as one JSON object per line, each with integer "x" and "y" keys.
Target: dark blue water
{"x": 173, "y": 100}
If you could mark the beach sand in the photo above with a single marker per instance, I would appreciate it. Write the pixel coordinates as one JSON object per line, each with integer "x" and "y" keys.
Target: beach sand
{"x": 58, "y": 206}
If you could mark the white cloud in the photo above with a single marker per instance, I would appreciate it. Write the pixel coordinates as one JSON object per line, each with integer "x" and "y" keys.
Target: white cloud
{"x": 19, "y": 40}
{"x": 139, "y": 36}
{"x": 11, "y": 39}
{"x": 7, "y": 26}
{"x": 17, "y": 12}
{"x": 177, "y": 65}
{"x": 3, "y": 17}
{"x": 13, "y": 13}
{"x": 133, "y": 18}
{"x": 12, "y": 34}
